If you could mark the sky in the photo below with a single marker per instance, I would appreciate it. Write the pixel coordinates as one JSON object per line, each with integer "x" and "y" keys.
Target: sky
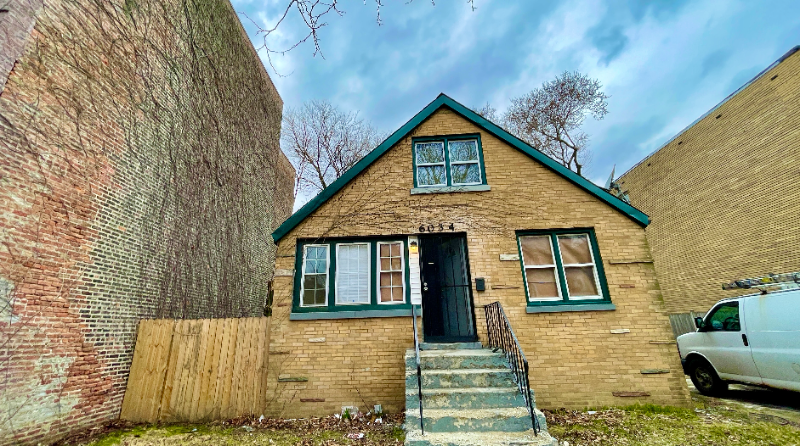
{"x": 663, "y": 63}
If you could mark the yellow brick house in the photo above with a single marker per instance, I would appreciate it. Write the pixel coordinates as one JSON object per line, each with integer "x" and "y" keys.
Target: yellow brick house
{"x": 455, "y": 213}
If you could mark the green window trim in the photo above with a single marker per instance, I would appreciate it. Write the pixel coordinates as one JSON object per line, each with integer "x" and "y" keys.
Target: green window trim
{"x": 374, "y": 307}
{"x": 602, "y": 303}
{"x": 448, "y": 186}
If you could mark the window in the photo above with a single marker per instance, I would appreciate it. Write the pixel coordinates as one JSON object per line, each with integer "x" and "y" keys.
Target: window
{"x": 391, "y": 281}
{"x": 724, "y": 318}
{"x": 314, "y": 291}
{"x": 448, "y": 161}
{"x": 352, "y": 273}
{"x": 561, "y": 267}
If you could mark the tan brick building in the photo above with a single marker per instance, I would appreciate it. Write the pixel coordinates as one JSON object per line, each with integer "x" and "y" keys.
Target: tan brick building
{"x": 446, "y": 202}
{"x": 723, "y": 194}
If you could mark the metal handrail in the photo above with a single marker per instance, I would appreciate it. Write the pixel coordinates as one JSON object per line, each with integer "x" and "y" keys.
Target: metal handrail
{"x": 419, "y": 368}
{"x": 501, "y": 336}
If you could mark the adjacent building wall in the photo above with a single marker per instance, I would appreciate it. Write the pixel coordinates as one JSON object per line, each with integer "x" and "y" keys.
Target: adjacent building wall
{"x": 723, "y": 195}
{"x": 140, "y": 177}
{"x": 576, "y": 359}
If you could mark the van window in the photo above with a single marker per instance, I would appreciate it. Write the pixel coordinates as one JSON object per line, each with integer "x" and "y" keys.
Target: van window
{"x": 724, "y": 318}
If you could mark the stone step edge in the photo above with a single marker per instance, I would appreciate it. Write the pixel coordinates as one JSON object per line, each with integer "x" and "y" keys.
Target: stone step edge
{"x": 455, "y": 353}
{"x": 482, "y": 438}
{"x": 413, "y": 371}
{"x": 461, "y": 390}
{"x": 469, "y": 414}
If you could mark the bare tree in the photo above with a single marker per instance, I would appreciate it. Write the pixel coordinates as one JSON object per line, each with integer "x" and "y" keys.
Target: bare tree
{"x": 550, "y": 117}
{"x": 490, "y": 113}
{"x": 323, "y": 142}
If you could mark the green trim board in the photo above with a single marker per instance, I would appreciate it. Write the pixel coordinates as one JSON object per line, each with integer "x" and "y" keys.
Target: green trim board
{"x": 444, "y": 101}
{"x": 362, "y": 314}
{"x": 450, "y": 189}
{"x": 445, "y": 139}
{"x": 598, "y": 264}
{"x": 560, "y": 308}
{"x": 331, "y": 306}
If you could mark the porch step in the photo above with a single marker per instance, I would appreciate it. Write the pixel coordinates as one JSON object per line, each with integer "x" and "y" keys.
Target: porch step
{"x": 456, "y": 359}
{"x": 450, "y": 346}
{"x": 469, "y": 397}
{"x": 526, "y": 438}
{"x": 466, "y": 398}
{"x": 447, "y": 378}
{"x": 508, "y": 419}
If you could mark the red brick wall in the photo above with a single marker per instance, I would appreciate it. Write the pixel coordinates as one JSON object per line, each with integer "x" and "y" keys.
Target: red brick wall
{"x": 140, "y": 177}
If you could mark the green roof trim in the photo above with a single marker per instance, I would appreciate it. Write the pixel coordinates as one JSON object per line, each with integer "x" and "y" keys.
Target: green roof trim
{"x": 445, "y": 101}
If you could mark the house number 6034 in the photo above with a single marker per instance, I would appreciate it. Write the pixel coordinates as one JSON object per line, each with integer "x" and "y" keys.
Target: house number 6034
{"x": 436, "y": 228}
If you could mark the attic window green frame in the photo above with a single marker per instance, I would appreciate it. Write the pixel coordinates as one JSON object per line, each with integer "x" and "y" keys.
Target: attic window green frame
{"x": 449, "y": 162}
{"x": 564, "y": 298}
{"x": 332, "y": 309}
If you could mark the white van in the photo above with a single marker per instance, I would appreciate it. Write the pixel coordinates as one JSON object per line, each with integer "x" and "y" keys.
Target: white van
{"x": 751, "y": 339}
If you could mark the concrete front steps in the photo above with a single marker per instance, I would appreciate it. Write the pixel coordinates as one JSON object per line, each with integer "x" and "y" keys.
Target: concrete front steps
{"x": 469, "y": 397}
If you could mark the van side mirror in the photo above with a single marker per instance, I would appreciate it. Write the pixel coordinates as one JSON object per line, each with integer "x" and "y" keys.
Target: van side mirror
{"x": 698, "y": 322}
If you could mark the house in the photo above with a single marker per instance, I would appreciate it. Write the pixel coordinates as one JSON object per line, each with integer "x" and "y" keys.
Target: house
{"x": 140, "y": 177}
{"x": 454, "y": 212}
{"x": 723, "y": 193}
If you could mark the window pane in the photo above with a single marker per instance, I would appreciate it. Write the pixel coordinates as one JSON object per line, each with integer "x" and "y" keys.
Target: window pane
{"x": 395, "y": 249}
{"x": 580, "y": 281}
{"x": 541, "y": 282}
{"x": 384, "y": 250}
{"x": 463, "y": 150}
{"x": 536, "y": 250}
{"x": 319, "y": 297}
{"x": 574, "y": 249}
{"x": 397, "y": 294}
{"x": 430, "y": 175}
{"x": 352, "y": 279}
{"x": 396, "y": 264}
{"x": 386, "y": 279}
{"x": 397, "y": 279}
{"x": 466, "y": 173}
{"x": 725, "y": 318}
{"x": 430, "y": 152}
{"x": 386, "y": 294}
{"x": 309, "y": 282}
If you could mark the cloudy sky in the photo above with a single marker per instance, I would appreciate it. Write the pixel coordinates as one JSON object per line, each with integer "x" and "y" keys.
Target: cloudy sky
{"x": 663, "y": 63}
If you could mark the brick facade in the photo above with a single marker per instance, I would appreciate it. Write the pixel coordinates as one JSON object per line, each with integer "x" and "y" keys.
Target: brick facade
{"x": 140, "y": 177}
{"x": 723, "y": 194}
{"x": 317, "y": 366}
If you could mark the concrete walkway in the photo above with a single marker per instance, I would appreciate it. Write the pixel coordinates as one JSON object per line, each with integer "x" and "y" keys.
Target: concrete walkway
{"x": 780, "y": 406}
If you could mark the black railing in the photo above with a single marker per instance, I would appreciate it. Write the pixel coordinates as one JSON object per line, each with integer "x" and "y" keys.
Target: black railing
{"x": 501, "y": 336}
{"x": 419, "y": 369}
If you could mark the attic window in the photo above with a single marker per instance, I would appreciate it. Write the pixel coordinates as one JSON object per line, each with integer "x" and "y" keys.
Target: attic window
{"x": 448, "y": 161}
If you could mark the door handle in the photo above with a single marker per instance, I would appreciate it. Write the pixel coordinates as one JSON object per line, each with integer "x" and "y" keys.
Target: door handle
{"x": 744, "y": 339}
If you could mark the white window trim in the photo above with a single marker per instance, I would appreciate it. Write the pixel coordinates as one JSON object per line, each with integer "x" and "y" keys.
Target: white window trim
{"x": 369, "y": 276}
{"x": 327, "y": 274}
{"x": 379, "y": 271}
{"x": 443, "y": 163}
{"x": 593, "y": 265}
{"x": 476, "y": 161}
{"x": 554, "y": 266}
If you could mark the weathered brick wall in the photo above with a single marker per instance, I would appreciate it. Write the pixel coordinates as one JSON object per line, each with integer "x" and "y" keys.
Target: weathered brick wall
{"x": 724, "y": 196}
{"x": 141, "y": 177}
{"x": 575, "y": 360}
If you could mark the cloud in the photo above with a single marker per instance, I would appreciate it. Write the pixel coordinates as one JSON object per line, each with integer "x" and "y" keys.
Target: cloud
{"x": 664, "y": 63}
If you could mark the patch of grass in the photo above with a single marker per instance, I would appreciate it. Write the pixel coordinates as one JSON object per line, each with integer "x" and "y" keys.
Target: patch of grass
{"x": 652, "y": 409}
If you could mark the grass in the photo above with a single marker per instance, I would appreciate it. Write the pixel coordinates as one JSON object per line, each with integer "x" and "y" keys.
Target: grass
{"x": 652, "y": 425}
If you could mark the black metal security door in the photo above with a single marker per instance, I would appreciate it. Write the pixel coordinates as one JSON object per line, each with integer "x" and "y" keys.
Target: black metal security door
{"x": 446, "y": 289}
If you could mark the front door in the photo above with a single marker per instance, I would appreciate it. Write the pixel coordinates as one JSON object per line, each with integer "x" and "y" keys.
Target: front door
{"x": 446, "y": 289}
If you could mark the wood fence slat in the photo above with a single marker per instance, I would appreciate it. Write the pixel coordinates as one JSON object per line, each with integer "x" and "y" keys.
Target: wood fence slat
{"x": 169, "y": 378}
{"x": 230, "y": 366}
{"x": 202, "y": 411}
{"x": 161, "y": 337}
{"x": 131, "y": 408}
{"x": 219, "y": 382}
{"x": 258, "y": 336}
{"x": 199, "y": 369}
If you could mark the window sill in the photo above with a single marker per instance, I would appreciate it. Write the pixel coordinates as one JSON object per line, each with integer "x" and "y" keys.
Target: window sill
{"x": 361, "y": 314}
{"x": 450, "y": 189}
{"x": 559, "y": 308}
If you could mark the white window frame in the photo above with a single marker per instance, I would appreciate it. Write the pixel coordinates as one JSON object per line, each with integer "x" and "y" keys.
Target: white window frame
{"x": 477, "y": 162}
{"x": 443, "y": 163}
{"x": 554, "y": 266}
{"x": 378, "y": 271}
{"x": 593, "y": 265}
{"x": 369, "y": 275}
{"x": 327, "y": 274}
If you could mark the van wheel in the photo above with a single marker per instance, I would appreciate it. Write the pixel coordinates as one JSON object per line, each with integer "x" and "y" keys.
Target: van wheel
{"x": 705, "y": 379}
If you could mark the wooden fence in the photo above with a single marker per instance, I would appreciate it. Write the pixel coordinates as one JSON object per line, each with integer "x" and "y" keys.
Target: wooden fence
{"x": 198, "y": 370}
{"x": 683, "y": 322}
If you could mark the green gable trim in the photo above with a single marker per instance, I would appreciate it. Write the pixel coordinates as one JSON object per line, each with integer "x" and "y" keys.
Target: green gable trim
{"x": 445, "y": 101}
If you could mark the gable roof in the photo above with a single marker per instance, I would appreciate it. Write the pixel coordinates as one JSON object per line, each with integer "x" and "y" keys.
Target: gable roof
{"x": 445, "y": 101}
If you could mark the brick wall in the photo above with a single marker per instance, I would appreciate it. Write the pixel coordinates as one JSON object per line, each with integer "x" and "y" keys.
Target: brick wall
{"x": 723, "y": 195}
{"x": 141, "y": 177}
{"x": 575, "y": 359}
